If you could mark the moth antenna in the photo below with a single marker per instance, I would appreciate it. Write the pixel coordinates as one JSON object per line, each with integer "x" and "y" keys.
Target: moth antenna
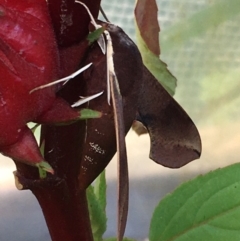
{"x": 104, "y": 14}
{"x": 110, "y": 65}
{"x": 101, "y": 41}
{"x": 102, "y": 45}
{"x": 86, "y": 99}
{"x": 74, "y": 74}
{"x": 65, "y": 79}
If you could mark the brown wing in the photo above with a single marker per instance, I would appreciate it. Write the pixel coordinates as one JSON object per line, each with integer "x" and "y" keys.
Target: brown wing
{"x": 175, "y": 140}
{"x": 100, "y": 137}
{"x": 123, "y": 180}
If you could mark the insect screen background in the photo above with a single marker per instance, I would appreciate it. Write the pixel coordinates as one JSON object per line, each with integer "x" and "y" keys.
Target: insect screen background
{"x": 200, "y": 43}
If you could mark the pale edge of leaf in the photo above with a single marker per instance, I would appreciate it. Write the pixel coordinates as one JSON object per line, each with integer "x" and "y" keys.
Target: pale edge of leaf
{"x": 97, "y": 215}
{"x": 157, "y": 67}
{"x": 205, "y": 208}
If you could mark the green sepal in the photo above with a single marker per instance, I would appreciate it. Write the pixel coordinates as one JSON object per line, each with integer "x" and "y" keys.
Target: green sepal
{"x": 94, "y": 36}
{"x": 44, "y": 167}
{"x": 89, "y": 114}
{"x": 84, "y": 114}
{"x": 42, "y": 173}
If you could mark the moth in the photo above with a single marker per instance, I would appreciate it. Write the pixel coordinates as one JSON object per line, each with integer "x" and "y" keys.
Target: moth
{"x": 130, "y": 93}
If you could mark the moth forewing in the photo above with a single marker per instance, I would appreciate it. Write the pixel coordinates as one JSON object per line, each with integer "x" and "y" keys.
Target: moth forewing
{"x": 123, "y": 180}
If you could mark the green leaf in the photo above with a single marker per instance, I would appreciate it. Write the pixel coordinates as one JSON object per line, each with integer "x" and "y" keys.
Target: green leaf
{"x": 97, "y": 206}
{"x": 100, "y": 187}
{"x": 88, "y": 114}
{"x": 93, "y": 36}
{"x": 115, "y": 239}
{"x": 147, "y": 33}
{"x": 206, "y": 208}
{"x": 157, "y": 67}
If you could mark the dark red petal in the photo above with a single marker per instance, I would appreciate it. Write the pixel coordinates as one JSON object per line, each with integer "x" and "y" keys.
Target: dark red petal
{"x": 60, "y": 113}
{"x": 28, "y": 41}
{"x": 25, "y": 149}
{"x": 71, "y": 20}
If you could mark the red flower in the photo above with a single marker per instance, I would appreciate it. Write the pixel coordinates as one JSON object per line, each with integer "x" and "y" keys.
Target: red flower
{"x": 29, "y": 57}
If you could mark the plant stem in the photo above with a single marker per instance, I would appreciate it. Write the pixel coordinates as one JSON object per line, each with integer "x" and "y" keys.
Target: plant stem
{"x": 63, "y": 203}
{"x": 66, "y": 216}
